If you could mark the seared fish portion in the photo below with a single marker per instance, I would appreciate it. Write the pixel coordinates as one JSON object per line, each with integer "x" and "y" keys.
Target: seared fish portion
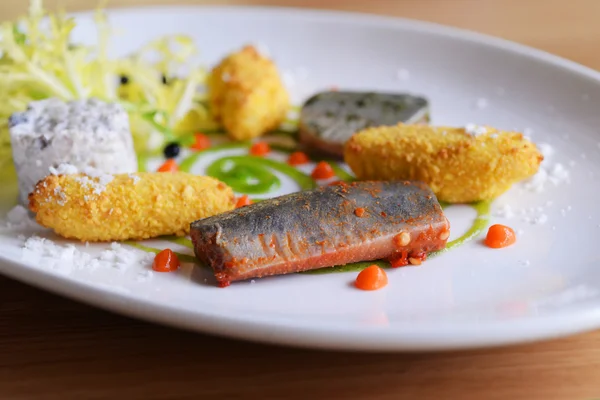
{"x": 127, "y": 206}
{"x": 461, "y": 165}
{"x": 328, "y": 226}
{"x": 329, "y": 119}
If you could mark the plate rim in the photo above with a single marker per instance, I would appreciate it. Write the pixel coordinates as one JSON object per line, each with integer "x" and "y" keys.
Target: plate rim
{"x": 372, "y": 339}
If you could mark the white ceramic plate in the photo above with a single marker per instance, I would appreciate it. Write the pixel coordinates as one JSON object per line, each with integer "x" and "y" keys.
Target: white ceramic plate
{"x": 546, "y": 285}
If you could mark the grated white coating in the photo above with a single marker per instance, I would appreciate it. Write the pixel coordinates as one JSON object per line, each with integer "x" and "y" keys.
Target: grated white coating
{"x": 81, "y": 133}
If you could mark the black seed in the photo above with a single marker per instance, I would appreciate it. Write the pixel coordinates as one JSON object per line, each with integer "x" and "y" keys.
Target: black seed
{"x": 164, "y": 79}
{"x": 171, "y": 150}
{"x": 124, "y": 80}
{"x": 44, "y": 142}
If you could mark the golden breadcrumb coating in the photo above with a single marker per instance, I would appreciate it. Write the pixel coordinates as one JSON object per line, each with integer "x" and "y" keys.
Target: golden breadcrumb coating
{"x": 130, "y": 207}
{"x": 460, "y": 167}
{"x": 247, "y": 95}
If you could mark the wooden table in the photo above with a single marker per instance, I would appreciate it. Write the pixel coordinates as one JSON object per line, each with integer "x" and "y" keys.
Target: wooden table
{"x": 52, "y": 348}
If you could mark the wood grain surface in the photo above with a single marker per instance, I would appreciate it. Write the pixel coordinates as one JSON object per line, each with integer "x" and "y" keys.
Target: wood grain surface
{"x": 53, "y": 348}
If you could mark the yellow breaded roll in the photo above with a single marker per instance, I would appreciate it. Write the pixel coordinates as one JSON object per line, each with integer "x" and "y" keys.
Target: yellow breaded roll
{"x": 461, "y": 165}
{"x": 246, "y": 94}
{"x": 127, "y": 206}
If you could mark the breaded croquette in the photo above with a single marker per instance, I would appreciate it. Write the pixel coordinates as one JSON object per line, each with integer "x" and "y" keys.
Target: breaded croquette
{"x": 247, "y": 95}
{"x": 127, "y": 206}
{"x": 461, "y": 165}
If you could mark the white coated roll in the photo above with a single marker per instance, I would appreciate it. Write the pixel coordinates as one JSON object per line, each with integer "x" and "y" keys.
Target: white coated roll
{"x": 83, "y": 133}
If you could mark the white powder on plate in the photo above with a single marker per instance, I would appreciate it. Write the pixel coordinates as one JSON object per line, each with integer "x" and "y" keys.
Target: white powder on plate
{"x": 475, "y": 130}
{"x": 549, "y": 172}
{"x": 505, "y": 211}
{"x": 67, "y": 258}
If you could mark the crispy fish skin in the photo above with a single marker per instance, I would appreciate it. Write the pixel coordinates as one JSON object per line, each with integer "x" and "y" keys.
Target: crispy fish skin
{"x": 321, "y": 228}
{"x": 458, "y": 166}
{"x": 247, "y": 95}
{"x": 131, "y": 207}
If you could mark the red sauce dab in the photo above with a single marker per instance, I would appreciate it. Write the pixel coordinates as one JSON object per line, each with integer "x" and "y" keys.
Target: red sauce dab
{"x": 298, "y": 158}
{"x": 359, "y": 212}
{"x": 371, "y": 278}
{"x": 323, "y": 171}
{"x": 500, "y": 236}
{"x": 260, "y": 149}
{"x": 400, "y": 259}
{"x": 166, "y": 261}
{"x": 201, "y": 142}
{"x": 243, "y": 201}
{"x": 169, "y": 166}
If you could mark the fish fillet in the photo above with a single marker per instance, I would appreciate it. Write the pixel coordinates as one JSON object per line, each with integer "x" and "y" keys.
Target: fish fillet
{"x": 328, "y": 226}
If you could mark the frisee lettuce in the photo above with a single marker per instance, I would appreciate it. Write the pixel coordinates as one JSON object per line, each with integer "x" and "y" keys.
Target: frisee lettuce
{"x": 40, "y": 59}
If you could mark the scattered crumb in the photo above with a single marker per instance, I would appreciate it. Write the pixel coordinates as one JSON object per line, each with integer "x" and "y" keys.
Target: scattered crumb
{"x": 135, "y": 178}
{"x": 505, "y": 212}
{"x": 67, "y": 258}
{"x": 64, "y": 169}
{"x": 475, "y": 130}
{"x": 252, "y": 281}
{"x": 145, "y": 275}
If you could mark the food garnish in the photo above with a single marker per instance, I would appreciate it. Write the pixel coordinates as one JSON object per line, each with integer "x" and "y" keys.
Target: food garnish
{"x": 166, "y": 261}
{"x": 318, "y": 228}
{"x": 172, "y": 150}
{"x": 323, "y": 171}
{"x": 461, "y": 165}
{"x": 260, "y": 149}
{"x": 168, "y": 166}
{"x": 247, "y": 94}
{"x": 40, "y": 59}
{"x": 329, "y": 119}
{"x": 101, "y": 207}
{"x": 500, "y": 236}
{"x": 201, "y": 142}
{"x": 371, "y": 278}
{"x": 298, "y": 158}
{"x": 243, "y": 201}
